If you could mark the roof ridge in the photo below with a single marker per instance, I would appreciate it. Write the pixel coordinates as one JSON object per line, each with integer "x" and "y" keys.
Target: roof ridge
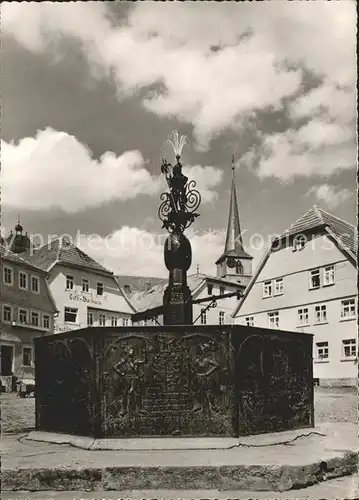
{"x": 67, "y": 245}
{"x": 335, "y": 216}
{"x": 318, "y": 213}
{"x": 47, "y": 244}
{"x": 10, "y": 253}
{"x": 315, "y": 209}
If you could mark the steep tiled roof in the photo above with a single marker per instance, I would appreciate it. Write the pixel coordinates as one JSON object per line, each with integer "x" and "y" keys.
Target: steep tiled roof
{"x": 144, "y": 300}
{"x": 10, "y": 256}
{"x": 316, "y": 217}
{"x": 64, "y": 252}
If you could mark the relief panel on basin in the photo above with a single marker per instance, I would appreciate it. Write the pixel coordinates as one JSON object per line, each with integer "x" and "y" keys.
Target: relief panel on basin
{"x": 165, "y": 384}
{"x": 273, "y": 385}
{"x": 65, "y": 386}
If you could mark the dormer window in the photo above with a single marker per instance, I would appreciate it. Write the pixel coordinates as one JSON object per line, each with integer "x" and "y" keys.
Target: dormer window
{"x": 299, "y": 243}
{"x": 210, "y": 289}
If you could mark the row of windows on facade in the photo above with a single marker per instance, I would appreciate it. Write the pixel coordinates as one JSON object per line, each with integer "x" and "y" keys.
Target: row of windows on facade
{"x": 349, "y": 350}
{"x": 317, "y": 277}
{"x": 70, "y": 316}
{"x": 348, "y": 311}
{"x": 8, "y": 275}
{"x": 203, "y": 317}
{"x": 25, "y": 317}
{"x": 85, "y": 285}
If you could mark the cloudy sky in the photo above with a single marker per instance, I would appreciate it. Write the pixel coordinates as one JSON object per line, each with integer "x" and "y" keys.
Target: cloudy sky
{"x": 91, "y": 92}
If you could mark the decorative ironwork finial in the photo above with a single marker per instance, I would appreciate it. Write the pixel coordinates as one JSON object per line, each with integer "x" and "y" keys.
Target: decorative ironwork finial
{"x": 177, "y": 211}
{"x": 233, "y": 163}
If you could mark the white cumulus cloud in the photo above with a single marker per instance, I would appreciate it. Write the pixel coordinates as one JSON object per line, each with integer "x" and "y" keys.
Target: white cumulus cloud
{"x": 116, "y": 250}
{"x": 54, "y": 170}
{"x": 212, "y": 64}
{"x": 330, "y": 195}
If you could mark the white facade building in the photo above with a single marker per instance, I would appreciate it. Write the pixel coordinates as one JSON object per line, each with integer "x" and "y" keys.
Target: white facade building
{"x": 85, "y": 293}
{"x": 307, "y": 281}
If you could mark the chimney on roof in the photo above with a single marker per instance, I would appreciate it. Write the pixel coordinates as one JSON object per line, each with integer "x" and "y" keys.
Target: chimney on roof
{"x": 148, "y": 286}
{"x": 197, "y": 268}
{"x": 127, "y": 289}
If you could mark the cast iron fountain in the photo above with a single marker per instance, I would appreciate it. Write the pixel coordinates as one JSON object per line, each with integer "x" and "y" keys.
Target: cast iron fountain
{"x": 178, "y": 379}
{"x": 177, "y": 212}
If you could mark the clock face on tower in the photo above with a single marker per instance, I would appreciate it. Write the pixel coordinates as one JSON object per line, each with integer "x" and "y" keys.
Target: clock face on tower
{"x": 231, "y": 262}
{"x": 236, "y": 264}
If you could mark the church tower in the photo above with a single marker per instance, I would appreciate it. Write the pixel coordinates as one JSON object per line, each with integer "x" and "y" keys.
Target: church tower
{"x": 235, "y": 263}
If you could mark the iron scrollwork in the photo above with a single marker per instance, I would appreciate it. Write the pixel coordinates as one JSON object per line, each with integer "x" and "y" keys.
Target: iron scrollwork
{"x": 178, "y": 208}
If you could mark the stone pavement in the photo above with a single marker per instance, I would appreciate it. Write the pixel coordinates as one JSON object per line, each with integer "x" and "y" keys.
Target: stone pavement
{"x": 271, "y": 462}
{"x": 344, "y": 487}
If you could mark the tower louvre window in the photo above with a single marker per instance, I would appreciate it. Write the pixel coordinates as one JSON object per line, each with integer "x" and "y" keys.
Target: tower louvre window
{"x": 239, "y": 267}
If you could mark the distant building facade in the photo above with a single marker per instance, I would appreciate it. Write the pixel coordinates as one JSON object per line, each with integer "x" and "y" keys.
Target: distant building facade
{"x": 27, "y": 310}
{"x": 307, "y": 281}
{"x": 201, "y": 286}
{"x": 85, "y": 293}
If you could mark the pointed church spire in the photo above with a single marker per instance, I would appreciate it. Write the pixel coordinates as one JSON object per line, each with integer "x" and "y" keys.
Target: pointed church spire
{"x": 235, "y": 262}
{"x": 234, "y": 237}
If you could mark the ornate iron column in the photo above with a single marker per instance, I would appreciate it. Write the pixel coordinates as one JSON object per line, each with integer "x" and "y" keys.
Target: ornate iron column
{"x": 177, "y": 212}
